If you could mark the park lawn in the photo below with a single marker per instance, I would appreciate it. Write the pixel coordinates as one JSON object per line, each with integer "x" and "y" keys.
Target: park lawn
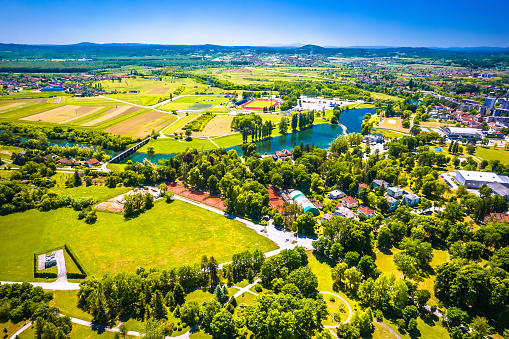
{"x": 229, "y": 140}
{"x": 491, "y": 153}
{"x": 335, "y": 305}
{"x": 116, "y": 167}
{"x": 200, "y": 334}
{"x": 11, "y": 327}
{"x": 78, "y": 331}
{"x": 379, "y": 332}
{"x": 172, "y": 146}
{"x": 67, "y": 302}
{"x": 200, "y": 295}
{"x": 383, "y": 96}
{"x": 388, "y": 133}
{"x": 164, "y": 236}
{"x": 322, "y": 269}
{"x": 99, "y": 193}
{"x": 431, "y": 328}
{"x": 385, "y": 262}
{"x": 439, "y": 257}
{"x": 246, "y": 298}
{"x": 8, "y": 148}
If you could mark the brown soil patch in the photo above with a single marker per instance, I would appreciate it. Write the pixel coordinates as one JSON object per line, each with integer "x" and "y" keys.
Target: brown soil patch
{"x": 142, "y": 125}
{"x": 6, "y": 107}
{"x": 158, "y": 91}
{"x": 112, "y": 114}
{"x": 219, "y": 125}
{"x": 111, "y": 205}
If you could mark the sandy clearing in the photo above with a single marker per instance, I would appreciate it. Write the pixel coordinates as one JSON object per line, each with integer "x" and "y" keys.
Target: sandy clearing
{"x": 158, "y": 91}
{"x": 141, "y": 125}
{"x": 219, "y": 125}
{"x": 6, "y": 107}
{"x": 111, "y": 114}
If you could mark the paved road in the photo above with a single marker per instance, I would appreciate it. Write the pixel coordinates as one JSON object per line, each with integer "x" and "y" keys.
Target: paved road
{"x": 21, "y": 330}
{"x": 62, "y": 272}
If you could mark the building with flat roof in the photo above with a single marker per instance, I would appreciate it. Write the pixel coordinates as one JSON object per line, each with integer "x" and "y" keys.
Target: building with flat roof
{"x": 499, "y": 189}
{"x": 475, "y": 179}
{"x": 457, "y": 133}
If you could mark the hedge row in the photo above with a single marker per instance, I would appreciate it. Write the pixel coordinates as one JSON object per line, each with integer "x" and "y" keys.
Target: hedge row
{"x": 83, "y": 273}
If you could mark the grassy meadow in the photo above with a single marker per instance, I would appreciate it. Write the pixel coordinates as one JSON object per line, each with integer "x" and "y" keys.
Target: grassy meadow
{"x": 166, "y": 235}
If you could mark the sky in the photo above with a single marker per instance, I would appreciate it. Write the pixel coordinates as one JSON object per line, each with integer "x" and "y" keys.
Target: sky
{"x": 432, "y": 23}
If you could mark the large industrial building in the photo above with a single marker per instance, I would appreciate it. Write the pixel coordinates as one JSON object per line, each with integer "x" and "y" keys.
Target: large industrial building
{"x": 300, "y": 199}
{"x": 475, "y": 179}
{"x": 458, "y": 133}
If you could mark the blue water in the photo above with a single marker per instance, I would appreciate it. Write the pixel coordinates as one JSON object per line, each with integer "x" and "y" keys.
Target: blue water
{"x": 438, "y": 149}
{"x": 321, "y": 135}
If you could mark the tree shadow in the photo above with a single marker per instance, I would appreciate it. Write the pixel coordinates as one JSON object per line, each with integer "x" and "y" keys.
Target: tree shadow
{"x": 323, "y": 259}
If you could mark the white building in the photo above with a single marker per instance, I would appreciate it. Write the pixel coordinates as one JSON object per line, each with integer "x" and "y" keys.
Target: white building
{"x": 336, "y": 194}
{"x": 475, "y": 179}
{"x": 458, "y": 133}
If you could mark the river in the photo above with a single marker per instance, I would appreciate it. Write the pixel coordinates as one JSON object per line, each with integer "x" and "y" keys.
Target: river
{"x": 321, "y": 135}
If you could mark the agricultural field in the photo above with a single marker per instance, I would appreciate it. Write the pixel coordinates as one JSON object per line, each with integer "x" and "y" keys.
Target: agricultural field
{"x": 245, "y": 76}
{"x": 63, "y": 114}
{"x": 219, "y": 125}
{"x": 166, "y": 235}
{"x": 142, "y": 125}
{"x": 111, "y": 114}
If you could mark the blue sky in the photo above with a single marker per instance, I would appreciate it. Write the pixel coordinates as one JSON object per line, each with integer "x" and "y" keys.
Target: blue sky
{"x": 444, "y": 23}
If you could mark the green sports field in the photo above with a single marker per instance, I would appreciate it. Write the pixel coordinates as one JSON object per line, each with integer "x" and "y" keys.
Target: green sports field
{"x": 166, "y": 235}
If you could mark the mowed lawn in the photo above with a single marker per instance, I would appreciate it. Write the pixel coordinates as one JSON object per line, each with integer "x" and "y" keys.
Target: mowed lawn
{"x": 164, "y": 236}
{"x": 492, "y": 153}
{"x": 100, "y": 193}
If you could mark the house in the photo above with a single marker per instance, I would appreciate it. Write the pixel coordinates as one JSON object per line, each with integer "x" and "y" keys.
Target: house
{"x": 380, "y": 183}
{"x": 51, "y": 155}
{"x": 336, "y": 194}
{"x": 68, "y": 162}
{"x": 91, "y": 162}
{"x": 280, "y": 155}
{"x": 366, "y": 211}
{"x": 317, "y": 203}
{"x": 411, "y": 199}
{"x": 344, "y": 212}
{"x": 361, "y": 186}
{"x": 496, "y": 217}
{"x": 392, "y": 202}
{"x": 349, "y": 202}
{"x": 326, "y": 216}
{"x": 395, "y": 192}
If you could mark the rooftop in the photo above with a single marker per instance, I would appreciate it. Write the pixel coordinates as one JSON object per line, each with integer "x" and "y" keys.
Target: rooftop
{"x": 482, "y": 176}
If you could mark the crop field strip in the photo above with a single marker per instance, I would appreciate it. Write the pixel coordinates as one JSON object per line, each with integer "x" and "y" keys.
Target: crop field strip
{"x": 63, "y": 114}
{"x": 219, "y": 125}
{"x": 112, "y": 114}
{"x": 141, "y": 125}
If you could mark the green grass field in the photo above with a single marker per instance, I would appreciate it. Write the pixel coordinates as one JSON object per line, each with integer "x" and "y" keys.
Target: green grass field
{"x": 170, "y": 145}
{"x": 491, "y": 153}
{"x": 78, "y": 331}
{"x": 383, "y": 96}
{"x": 67, "y": 302}
{"x": 196, "y": 101}
{"x": 100, "y": 193}
{"x": 166, "y": 235}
